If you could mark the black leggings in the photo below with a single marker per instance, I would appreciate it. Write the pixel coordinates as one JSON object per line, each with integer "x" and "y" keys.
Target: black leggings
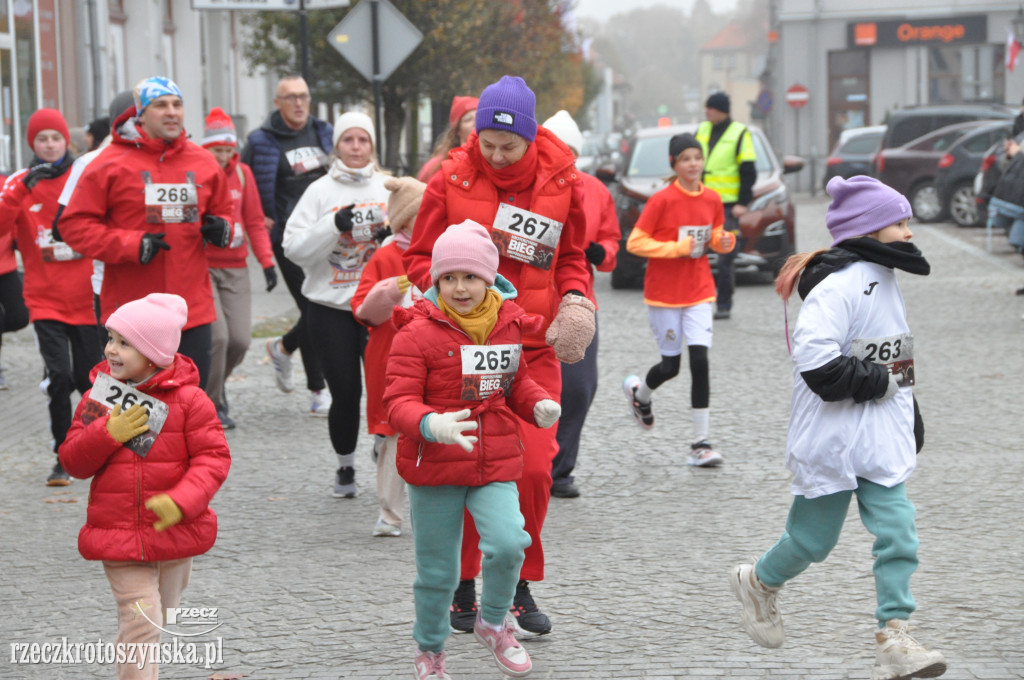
{"x": 69, "y": 353}
{"x": 339, "y": 341}
{"x": 197, "y": 344}
{"x": 700, "y": 384}
{"x": 13, "y": 313}
{"x": 298, "y": 337}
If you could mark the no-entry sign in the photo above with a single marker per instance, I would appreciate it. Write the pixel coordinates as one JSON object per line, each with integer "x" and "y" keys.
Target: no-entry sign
{"x": 797, "y": 96}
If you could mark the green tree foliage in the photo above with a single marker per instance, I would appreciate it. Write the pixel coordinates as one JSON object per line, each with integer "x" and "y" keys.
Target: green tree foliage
{"x": 467, "y": 44}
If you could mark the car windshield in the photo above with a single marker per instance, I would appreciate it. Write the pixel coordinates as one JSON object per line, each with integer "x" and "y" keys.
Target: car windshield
{"x": 650, "y": 157}
{"x": 862, "y": 144}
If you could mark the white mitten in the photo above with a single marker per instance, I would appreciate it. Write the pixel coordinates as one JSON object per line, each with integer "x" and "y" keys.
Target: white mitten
{"x": 546, "y": 412}
{"x": 892, "y": 389}
{"x": 447, "y": 428}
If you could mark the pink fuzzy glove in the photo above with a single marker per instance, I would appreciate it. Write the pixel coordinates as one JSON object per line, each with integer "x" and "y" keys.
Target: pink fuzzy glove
{"x": 382, "y": 298}
{"x": 572, "y": 329}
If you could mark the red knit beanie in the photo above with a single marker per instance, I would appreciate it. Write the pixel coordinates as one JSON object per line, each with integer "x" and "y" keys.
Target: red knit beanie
{"x": 47, "y": 119}
{"x": 460, "y": 107}
{"x": 219, "y": 129}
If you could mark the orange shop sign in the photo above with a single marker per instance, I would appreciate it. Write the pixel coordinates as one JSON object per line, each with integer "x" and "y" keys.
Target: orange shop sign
{"x": 895, "y": 33}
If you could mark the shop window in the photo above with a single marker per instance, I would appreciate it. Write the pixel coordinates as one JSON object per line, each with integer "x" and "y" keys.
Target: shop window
{"x": 965, "y": 73}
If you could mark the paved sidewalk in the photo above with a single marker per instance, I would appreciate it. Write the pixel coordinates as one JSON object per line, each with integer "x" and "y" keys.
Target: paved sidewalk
{"x": 636, "y": 574}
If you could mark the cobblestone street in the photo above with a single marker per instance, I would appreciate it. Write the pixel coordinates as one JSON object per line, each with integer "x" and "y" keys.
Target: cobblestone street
{"x": 636, "y": 573}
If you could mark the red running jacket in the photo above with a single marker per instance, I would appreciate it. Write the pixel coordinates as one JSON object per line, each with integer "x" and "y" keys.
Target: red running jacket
{"x": 188, "y": 461}
{"x": 247, "y": 220}
{"x": 107, "y": 216}
{"x": 56, "y": 287}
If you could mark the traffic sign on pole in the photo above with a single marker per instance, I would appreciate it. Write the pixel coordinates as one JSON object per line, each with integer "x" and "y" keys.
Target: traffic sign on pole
{"x": 354, "y": 38}
{"x": 797, "y": 96}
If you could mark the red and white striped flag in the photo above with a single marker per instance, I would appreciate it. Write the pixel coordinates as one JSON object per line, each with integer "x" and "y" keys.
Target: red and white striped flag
{"x": 1012, "y": 50}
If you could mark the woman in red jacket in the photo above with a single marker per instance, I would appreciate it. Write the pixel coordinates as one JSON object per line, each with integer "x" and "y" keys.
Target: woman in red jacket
{"x": 461, "y": 124}
{"x": 156, "y": 459}
{"x": 13, "y": 313}
{"x": 229, "y": 275}
{"x": 457, "y": 365}
{"x": 520, "y": 182}
{"x": 57, "y": 291}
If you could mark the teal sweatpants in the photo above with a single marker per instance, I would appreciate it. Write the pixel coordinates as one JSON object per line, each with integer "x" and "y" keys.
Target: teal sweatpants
{"x": 437, "y": 513}
{"x": 812, "y": 530}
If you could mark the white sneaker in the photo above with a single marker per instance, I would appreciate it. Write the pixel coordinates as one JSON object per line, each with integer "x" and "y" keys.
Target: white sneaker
{"x": 702, "y": 455}
{"x": 900, "y": 656}
{"x": 282, "y": 363}
{"x": 384, "y": 529}
{"x": 761, "y": 617}
{"x": 640, "y": 411}
{"x": 320, "y": 403}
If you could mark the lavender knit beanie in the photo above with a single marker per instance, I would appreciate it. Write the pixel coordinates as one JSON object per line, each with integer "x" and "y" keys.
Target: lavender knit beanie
{"x": 508, "y": 105}
{"x": 861, "y": 205}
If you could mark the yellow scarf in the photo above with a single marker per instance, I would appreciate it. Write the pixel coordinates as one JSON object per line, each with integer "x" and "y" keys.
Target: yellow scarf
{"x": 479, "y": 321}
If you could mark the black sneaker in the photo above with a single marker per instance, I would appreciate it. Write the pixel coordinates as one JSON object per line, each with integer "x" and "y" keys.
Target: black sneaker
{"x": 226, "y": 421}
{"x": 463, "y": 611}
{"x": 565, "y": 490}
{"x": 528, "y": 617}
{"x": 722, "y": 314}
{"x": 344, "y": 483}
{"x": 58, "y": 477}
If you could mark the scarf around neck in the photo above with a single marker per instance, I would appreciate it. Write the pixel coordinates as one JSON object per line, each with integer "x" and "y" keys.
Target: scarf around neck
{"x": 347, "y": 175}
{"x": 479, "y": 321}
{"x": 516, "y": 177}
{"x": 901, "y": 255}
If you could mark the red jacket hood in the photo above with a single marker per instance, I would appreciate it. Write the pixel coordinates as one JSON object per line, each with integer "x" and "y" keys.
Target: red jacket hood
{"x": 128, "y": 132}
{"x": 182, "y": 372}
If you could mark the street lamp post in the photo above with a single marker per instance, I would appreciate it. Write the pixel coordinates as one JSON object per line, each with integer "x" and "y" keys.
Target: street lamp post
{"x": 1018, "y": 24}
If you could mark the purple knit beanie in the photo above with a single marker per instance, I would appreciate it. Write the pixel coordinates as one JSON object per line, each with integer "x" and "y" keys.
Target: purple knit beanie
{"x": 465, "y": 247}
{"x": 861, "y": 205}
{"x": 508, "y": 105}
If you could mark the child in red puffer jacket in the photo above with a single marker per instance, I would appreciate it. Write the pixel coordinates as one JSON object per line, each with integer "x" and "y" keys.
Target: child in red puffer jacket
{"x": 156, "y": 457}
{"x": 456, "y": 366}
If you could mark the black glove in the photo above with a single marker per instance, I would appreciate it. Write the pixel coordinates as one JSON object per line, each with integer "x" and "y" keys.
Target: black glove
{"x": 216, "y": 231}
{"x": 42, "y": 171}
{"x": 596, "y": 253}
{"x": 151, "y": 245}
{"x": 270, "y": 274}
{"x": 381, "y": 233}
{"x": 343, "y": 219}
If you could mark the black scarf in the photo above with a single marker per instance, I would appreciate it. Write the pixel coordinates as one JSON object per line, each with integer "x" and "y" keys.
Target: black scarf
{"x": 40, "y": 171}
{"x": 897, "y": 255}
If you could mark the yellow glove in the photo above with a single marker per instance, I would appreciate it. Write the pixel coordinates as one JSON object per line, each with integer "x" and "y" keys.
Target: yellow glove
{"x": 723, "y": 241}
{"x": 685, "y": 246}
{"x": 131, "y": 423}
{"x": 166, "y": 509}
{"x": 403, "y": 284}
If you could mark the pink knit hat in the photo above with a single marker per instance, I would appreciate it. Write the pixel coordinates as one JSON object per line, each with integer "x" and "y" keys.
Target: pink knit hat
{"x": 152, "y": 325}
{"x": 465, "y": 247}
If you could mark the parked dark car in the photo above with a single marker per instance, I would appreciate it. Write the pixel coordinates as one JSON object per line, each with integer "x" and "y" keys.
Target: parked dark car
{"x": 854, "y": 152}
{"x": 907, "y": 124}
{"x": 992, "y": 165}
{"x": 910, "y": 169}
{"x": 768, "y": 227}
{"x": 957, "y": 168}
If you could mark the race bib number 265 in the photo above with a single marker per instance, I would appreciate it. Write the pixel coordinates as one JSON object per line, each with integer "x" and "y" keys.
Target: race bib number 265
{"x": 488, "y": 368}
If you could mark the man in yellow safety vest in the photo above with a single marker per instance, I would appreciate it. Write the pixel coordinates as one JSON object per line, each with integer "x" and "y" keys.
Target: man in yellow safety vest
{"x": 729, "y": 170}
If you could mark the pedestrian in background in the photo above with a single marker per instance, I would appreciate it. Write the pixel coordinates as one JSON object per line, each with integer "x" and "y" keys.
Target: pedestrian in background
{"x": 13, "y": 312}
{"x": 436, "y": 391}
{"x": 335, "y": 228}
{"x": 678, "y": 226}
{"x": 854, "y": 428}
{"x": 461, "y": 124}
{"x": 520, "y": 182}
{"x": 56, "y": 286}
{"x": 229, "y": 274}
{"x": 289, "y": 152}
{"x": 95, "y": 132}
{"x": 382, "y": 286}
{"x": 156, "y": 459}
{"x": 579, "y": 380}
{"x": 730, "y": 171}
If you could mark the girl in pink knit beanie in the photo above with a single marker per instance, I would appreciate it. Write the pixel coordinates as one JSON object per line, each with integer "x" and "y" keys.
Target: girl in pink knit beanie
{"x": 150, "y": 439}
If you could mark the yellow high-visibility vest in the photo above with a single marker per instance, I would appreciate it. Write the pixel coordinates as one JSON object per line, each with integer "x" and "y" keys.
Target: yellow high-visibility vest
{"x": 722, "y": 165}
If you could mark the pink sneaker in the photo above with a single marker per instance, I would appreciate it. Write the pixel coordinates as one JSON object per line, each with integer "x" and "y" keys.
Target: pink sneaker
{"x": 430, "y": 666}
{"x": 510, "y": 656}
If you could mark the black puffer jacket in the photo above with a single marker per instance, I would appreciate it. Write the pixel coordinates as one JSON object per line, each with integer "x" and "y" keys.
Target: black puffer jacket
{"x": 1011, "y": 185}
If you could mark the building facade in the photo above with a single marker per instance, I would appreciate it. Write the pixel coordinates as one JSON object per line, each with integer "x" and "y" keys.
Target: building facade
{"x": 861, "y": 61}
